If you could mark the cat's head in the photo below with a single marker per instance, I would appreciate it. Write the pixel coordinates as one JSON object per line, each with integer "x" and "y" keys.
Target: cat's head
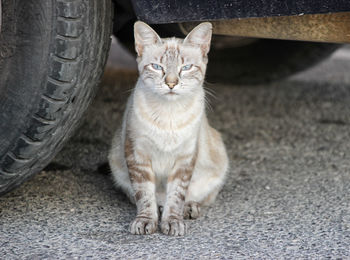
{"x": 172, "y": 68}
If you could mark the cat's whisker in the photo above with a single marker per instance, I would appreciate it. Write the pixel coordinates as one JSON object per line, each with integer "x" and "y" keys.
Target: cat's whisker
{"x": 208, "y": 105}
{"x": 207, "y": 83}
{"x": 130, "y": 90}
{"x": 210, "y": 96}
{"x": 210, "y": 92}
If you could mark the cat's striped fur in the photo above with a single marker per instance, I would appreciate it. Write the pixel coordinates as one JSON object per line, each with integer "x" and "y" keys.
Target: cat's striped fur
{"x": 166, "y": 154}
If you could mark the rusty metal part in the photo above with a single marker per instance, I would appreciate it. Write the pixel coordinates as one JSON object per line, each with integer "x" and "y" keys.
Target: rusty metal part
{"x": 223, "y": 41}
{"x": 333, "y": 27}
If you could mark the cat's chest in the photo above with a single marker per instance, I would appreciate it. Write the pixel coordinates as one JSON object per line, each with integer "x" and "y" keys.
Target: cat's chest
{"x": 165, "y": 140}
{"x": 165, "y": 153}
{"x": 166, "y": 132}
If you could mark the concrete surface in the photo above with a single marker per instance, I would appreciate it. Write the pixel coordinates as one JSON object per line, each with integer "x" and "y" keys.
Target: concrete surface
{"x": 286, "y": 196}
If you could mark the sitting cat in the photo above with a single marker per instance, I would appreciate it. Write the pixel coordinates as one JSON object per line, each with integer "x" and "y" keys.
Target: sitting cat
{"x": 166, "y": 154}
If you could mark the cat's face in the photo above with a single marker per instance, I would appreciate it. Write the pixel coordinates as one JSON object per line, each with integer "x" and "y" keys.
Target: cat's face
{"x": 172, "y": 68}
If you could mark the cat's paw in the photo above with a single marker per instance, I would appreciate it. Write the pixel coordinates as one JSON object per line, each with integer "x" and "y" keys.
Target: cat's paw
{"x": 191, "y": 210}
{"x": 143, "y": 226}
{"x": 173, "y": 227}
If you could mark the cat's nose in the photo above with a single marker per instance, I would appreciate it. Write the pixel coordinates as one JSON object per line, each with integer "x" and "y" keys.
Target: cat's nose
{"x": 171, "y": 80}
{"x": 171, "y": 85}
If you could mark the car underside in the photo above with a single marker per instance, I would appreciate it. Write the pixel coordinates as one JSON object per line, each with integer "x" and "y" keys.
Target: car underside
{"x": 320, "y": 21}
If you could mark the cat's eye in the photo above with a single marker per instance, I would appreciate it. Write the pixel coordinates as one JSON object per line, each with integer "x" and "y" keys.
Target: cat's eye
{"x": 186, "y": 67}
{"x": 156, "y": 66}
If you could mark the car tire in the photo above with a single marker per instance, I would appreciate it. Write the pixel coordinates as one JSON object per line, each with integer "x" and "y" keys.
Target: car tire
{"x": 52, "y": 56}
{"x": 264, "y": 60}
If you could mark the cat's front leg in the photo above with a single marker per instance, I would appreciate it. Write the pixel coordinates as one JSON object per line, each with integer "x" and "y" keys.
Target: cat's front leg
{"x": 146, "y": 220}
{"x": 172, "y": 218}
{"x": 143, "y": 183}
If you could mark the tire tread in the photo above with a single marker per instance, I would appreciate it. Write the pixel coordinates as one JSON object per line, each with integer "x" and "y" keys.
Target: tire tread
{"x": 57, "y": 101}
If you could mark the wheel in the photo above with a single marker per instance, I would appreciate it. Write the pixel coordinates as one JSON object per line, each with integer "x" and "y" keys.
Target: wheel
{"x": 262, "y": 61}
{"x": 52, "y": 55}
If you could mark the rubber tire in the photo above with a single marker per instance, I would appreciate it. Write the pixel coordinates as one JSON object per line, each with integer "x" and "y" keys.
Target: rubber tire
{"x": 52, "y": 56}
{"x": 265, "y": 60}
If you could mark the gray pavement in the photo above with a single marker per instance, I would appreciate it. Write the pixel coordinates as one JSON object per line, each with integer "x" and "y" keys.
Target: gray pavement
{"x": 286, "y": 196}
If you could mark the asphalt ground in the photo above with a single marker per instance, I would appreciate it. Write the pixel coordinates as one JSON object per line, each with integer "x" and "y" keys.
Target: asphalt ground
{"x": 286, "y": 195}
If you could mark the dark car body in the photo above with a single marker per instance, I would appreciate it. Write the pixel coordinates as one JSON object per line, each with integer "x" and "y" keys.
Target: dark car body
{"x": 171, "y": 11}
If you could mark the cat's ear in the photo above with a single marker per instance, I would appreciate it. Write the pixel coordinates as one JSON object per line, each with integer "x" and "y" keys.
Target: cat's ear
{"x": 144, "y": 35}
{"x": 200, "y": 36}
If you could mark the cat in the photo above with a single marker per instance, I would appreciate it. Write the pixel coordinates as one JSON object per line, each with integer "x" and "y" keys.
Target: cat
{"x": 166, "y": 155}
